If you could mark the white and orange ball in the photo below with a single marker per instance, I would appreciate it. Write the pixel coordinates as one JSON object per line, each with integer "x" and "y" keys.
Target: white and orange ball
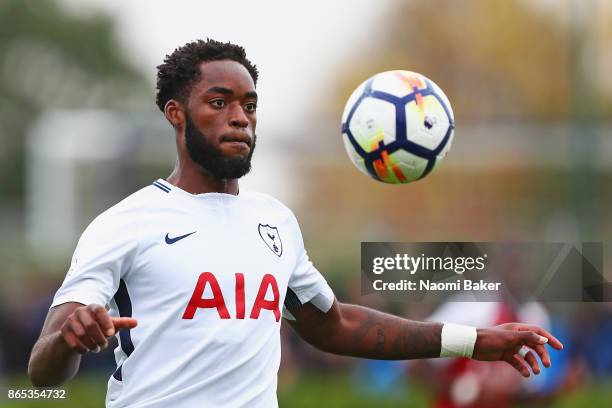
{"x": 397, "y": 126}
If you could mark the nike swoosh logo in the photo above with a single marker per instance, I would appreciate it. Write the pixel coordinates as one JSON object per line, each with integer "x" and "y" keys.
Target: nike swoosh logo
{"x": 171, "y": 241}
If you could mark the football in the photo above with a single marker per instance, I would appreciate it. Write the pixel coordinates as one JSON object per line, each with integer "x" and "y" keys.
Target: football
{"x": 397, "y": 126}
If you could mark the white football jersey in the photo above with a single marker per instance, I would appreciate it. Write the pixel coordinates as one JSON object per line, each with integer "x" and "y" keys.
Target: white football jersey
{"x": 206, "y": 276}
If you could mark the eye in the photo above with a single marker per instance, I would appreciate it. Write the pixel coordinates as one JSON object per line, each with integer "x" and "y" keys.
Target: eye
{"x": 217, "y": 103}
{"x": 250, "y": 107}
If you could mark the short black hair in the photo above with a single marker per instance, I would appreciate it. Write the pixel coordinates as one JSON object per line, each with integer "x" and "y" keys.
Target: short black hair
{"x": 181, "y": 69}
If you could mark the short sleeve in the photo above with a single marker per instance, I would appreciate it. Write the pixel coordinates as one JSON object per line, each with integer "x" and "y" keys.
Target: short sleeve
{"x": 103, "y": 254}
{"x": 306, "y": 283}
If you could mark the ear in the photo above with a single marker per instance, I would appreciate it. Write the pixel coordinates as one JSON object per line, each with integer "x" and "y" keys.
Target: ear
{"x": 174, "y": 112}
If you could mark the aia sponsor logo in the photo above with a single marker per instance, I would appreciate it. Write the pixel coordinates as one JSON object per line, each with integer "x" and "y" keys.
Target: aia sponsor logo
{"x": 217, "y": 301}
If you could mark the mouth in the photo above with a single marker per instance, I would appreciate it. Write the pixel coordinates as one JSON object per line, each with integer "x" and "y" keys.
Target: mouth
{"x": 237, "y": 139}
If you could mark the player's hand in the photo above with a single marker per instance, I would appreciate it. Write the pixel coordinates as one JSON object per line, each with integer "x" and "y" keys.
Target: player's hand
{"x": 509, "y": 342}
{"x": 88, "y": 328}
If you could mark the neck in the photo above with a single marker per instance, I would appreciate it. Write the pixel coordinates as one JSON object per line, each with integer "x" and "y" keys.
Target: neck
{"x": 196, "y": 181}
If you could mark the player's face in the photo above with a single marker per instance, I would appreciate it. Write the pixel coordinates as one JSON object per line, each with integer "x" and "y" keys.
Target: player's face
{"x": 220, "y": 119}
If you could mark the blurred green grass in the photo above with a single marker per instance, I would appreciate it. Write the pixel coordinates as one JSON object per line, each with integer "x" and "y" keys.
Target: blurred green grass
{"x": 325, "y": 390}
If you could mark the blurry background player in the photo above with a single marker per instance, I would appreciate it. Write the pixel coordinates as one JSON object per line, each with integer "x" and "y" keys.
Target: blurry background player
{"x": 469, "y": 383}
{"x": 195, "y": 272}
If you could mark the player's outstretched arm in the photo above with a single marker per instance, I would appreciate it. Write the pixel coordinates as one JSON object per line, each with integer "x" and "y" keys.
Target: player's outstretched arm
{"x": 70, "y": 330}
{"x": 363, "y": 332}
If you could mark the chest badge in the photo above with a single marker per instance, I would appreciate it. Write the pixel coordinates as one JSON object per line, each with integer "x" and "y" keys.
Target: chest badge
{"x": 272, "y": 238}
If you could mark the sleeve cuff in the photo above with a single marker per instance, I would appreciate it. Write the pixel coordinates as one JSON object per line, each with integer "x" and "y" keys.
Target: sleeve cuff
{"x": 321, "y": 295}
{"x": 83, "y": 298}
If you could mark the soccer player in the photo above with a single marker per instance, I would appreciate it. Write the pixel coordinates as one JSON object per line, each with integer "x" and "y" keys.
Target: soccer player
{"x": 192, "y": 275}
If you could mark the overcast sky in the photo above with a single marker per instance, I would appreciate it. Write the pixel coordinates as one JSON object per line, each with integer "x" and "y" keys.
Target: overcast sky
{"x": 296, "y": 44}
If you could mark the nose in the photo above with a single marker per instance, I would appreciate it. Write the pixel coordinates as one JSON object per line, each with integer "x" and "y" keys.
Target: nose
{"x": 237, "y": 117}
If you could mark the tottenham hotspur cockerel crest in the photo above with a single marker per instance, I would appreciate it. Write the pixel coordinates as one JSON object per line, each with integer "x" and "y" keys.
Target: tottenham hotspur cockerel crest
{"x": 271, "y": 237}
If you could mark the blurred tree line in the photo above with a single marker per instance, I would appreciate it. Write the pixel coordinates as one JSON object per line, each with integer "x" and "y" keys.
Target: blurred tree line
{"x": 52, "y": 59}
{"x": 515, "y": 59}
{"x": 501, "y": 63}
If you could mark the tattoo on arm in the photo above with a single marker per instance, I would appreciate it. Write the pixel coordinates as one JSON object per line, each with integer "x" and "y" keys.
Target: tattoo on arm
{"x": 418, "y": 338}
{"x": 359, "y": 331}
{"x": 360, "y": 334}
{"x": 383, "y": 336}
{"x": 362, "y": 330}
